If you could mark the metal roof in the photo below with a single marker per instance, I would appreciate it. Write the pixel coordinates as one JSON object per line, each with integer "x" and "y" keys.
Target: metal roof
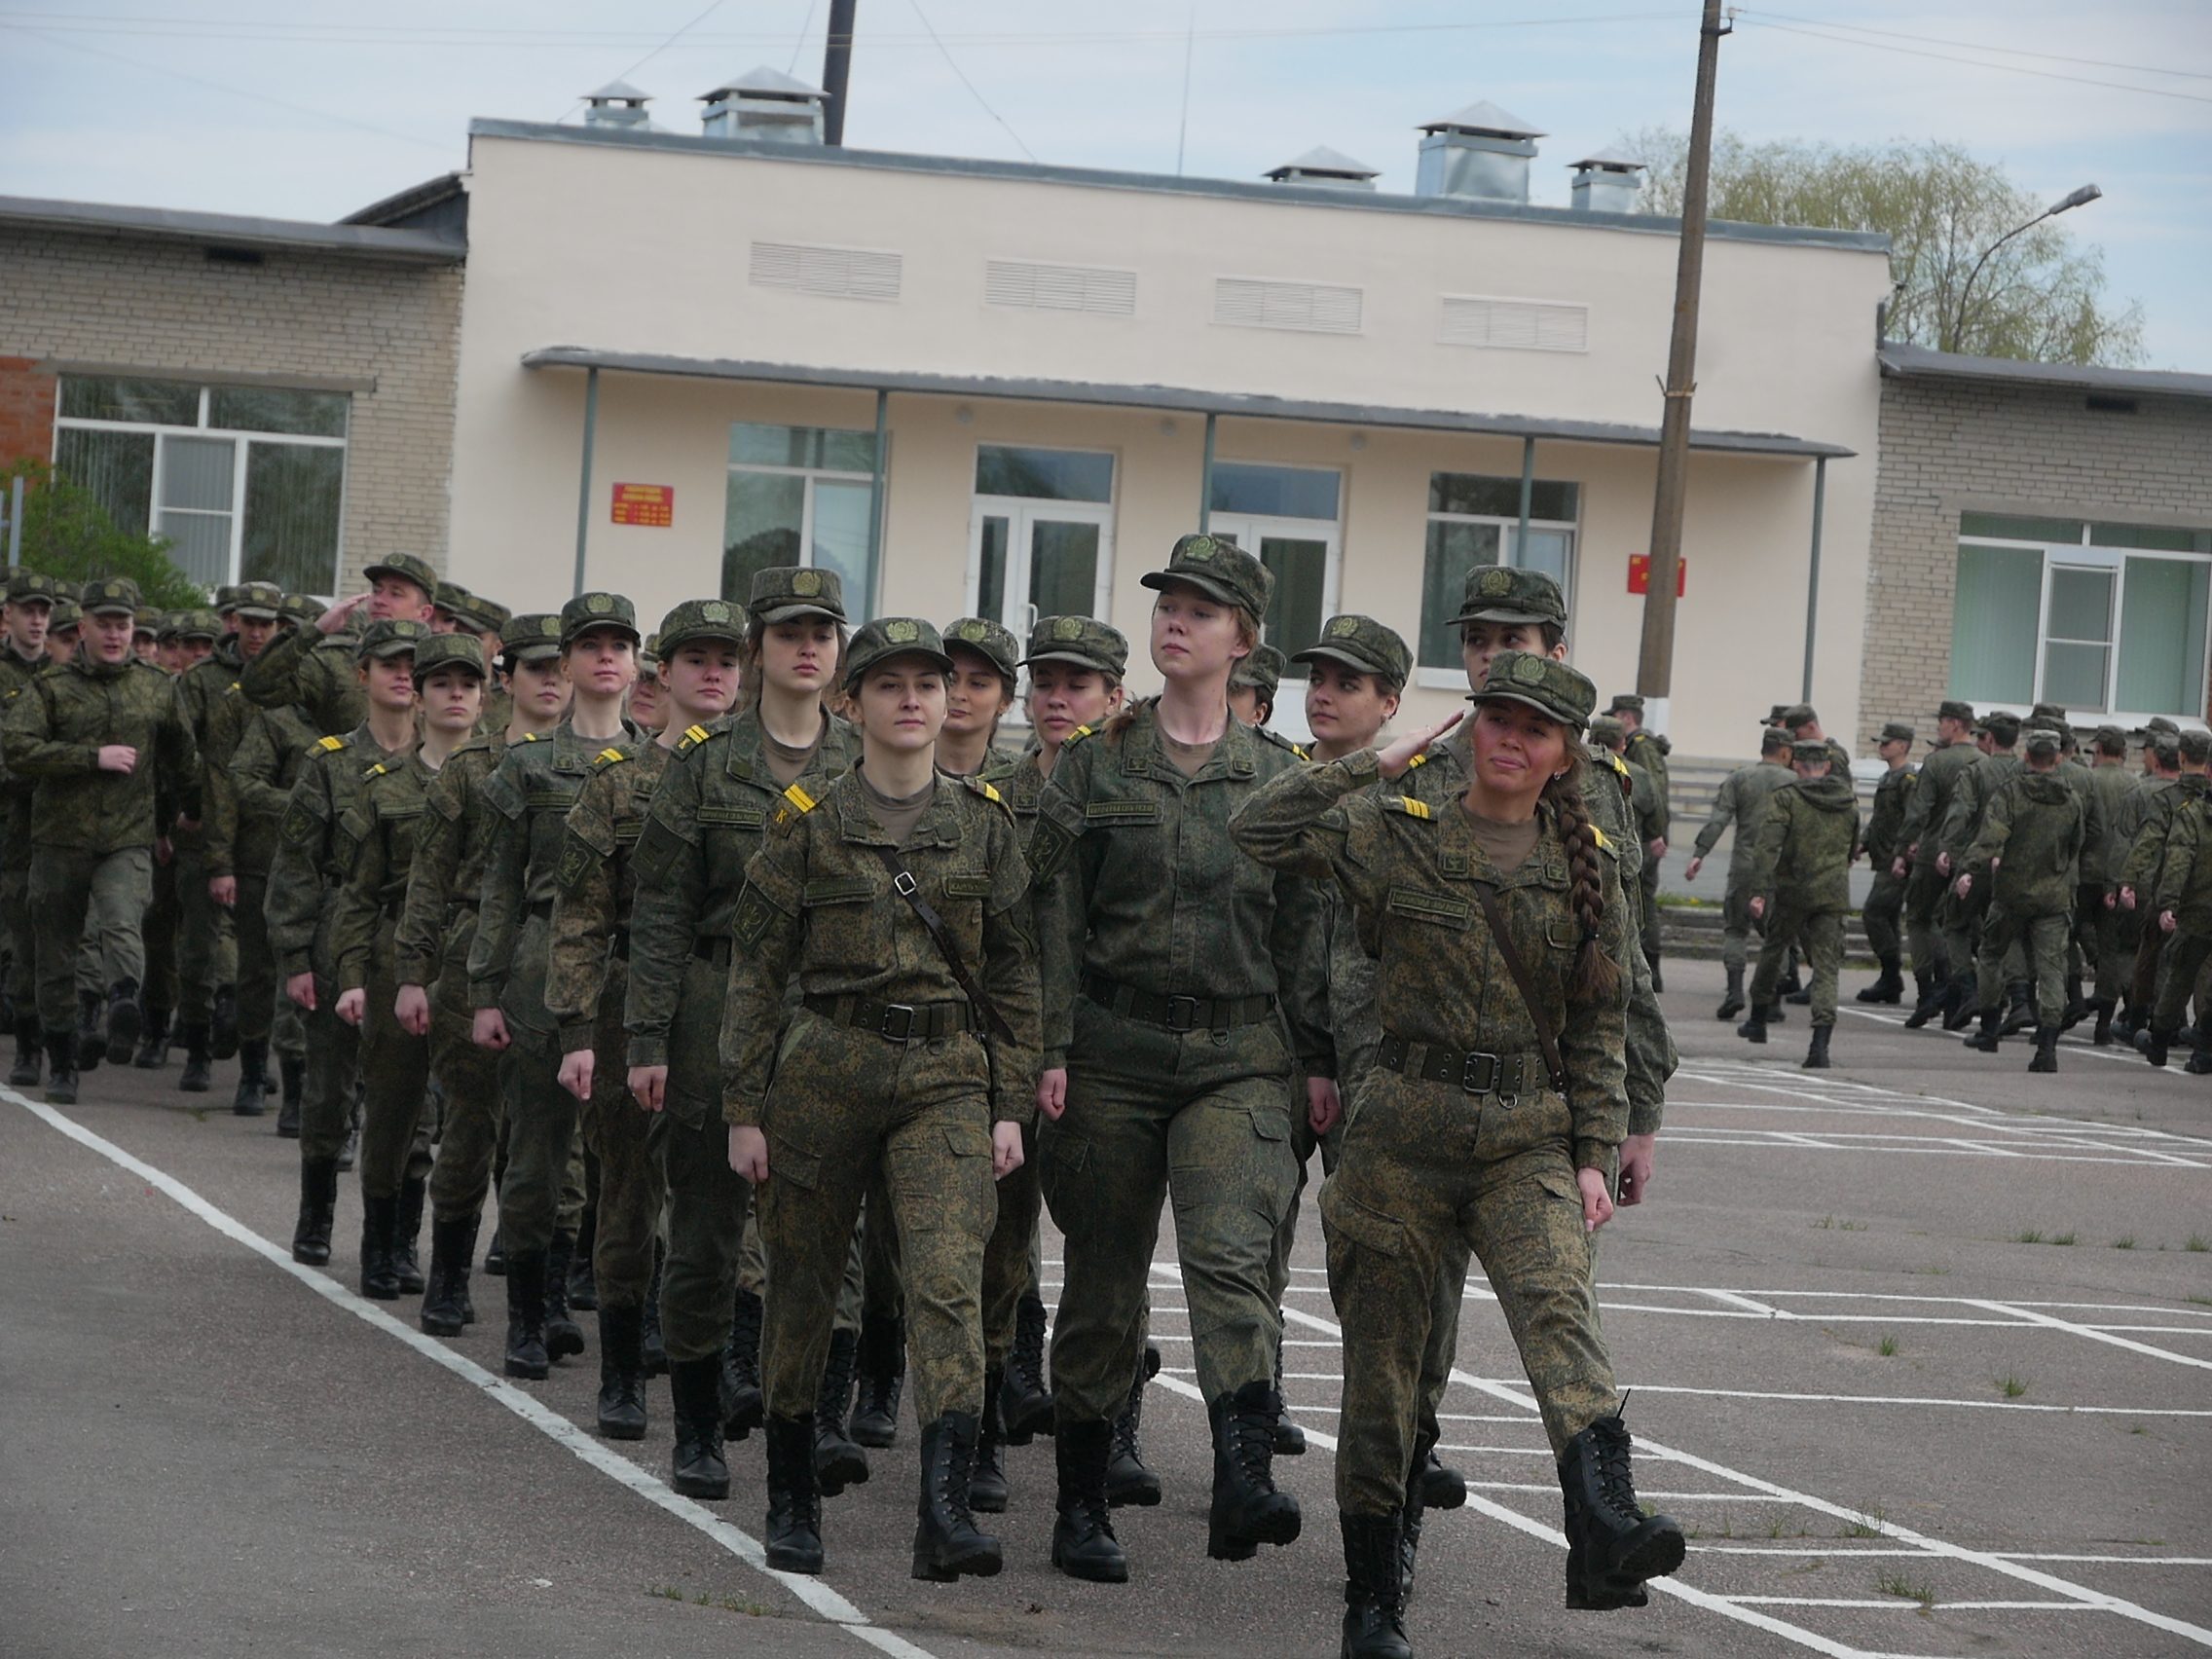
{"x": 230, "y": 230}
{"x": 1322, "y": 158}
{"x": 1921, "y": 362}
{"x": 1256, "y": 406}
{"x": 1485, "y": 117}
{"x": 620, "y": 89}
{"x": 413, "y": 199}
{"x": 773, "y": 82}
{"x": 1609, "y": 158}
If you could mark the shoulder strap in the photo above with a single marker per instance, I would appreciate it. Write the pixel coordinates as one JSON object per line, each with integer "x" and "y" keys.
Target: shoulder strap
{"x": 902, "y": 882}
{"x": 1488, "y": 898}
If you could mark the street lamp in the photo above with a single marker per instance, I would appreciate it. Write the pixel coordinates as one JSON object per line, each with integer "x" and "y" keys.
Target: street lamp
{"x": 2073, "y": 199}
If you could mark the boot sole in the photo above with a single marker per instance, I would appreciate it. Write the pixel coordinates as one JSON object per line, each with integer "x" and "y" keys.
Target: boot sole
{"x": 562, "y": 1345}
{"x": 529, "y": 1371}
{"x": 877, "y": 1436}
{"x": 1146, "y": 1496}
{"x": 438, "y": 1327}
{"x": 978, "y": 1563}
{"x": 311, "y": 1256}
{"x": 807, "y": 1563}
{"x": 381, "y": 1292}
{"x": 121, "y": 1035}
{"x": 622, "y": 1428}
{"x": 1280, "y": 1529}
{"x": 987, "y": 1502}
{"x": 1655, "y": 1556}
{"x": 834, "y": 1475}
{"x": 740, "y": 1425}
{"x": 1092, "y": 1572}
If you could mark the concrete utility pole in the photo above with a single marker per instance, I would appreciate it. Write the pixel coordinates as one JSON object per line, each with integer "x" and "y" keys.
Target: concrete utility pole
{"x": 837, "y": 68}
{"x": 1655, "y": 665}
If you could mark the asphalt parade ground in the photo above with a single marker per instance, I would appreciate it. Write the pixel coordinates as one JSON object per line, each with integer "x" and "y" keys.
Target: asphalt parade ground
{"x": 1921, "y": 1353}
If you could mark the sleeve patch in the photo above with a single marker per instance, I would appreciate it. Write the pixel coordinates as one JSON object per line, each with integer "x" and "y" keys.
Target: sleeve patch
{"x": 753, "y": 916}
{"x": 576, "y": 859}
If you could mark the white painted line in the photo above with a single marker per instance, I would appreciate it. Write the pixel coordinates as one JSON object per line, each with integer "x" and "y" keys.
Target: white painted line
{"x": 1756, "y": 1307}
{"x": 1909, "y": 1605}
{"x": 813, "y": 1592}
{"x": 2096, "y": 1335}
{"x": 1905, "y": 1400}
{"x": 2112, "y": 1559}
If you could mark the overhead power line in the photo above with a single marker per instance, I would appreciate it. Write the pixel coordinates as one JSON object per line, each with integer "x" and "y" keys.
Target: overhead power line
{"x": 1981, "y": 46}
{"x": 1972, "y": 63}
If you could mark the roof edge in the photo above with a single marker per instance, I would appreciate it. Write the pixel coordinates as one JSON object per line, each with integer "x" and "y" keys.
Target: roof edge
{"x": 413, "y": 199}
{"x": 1900, "y": 361}
{"x": 230, "y": 230}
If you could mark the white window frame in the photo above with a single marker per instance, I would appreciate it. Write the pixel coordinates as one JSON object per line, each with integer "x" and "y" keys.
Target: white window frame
{"x": 814, "y": 475}
{"x": 1509, "y": 558}
{"x": 1025, "y": 509}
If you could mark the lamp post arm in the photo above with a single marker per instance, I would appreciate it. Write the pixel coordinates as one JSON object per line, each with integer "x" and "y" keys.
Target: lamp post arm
{"x": 1958, "y": 327}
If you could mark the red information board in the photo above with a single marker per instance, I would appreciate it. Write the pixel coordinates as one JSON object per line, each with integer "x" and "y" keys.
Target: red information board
{"x": 1639, "y": 575}
{"x": 653, "y": 504}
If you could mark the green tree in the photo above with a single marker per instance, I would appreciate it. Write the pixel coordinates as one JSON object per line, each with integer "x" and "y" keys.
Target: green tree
{"x": 2041, "y": 297}
{"x": 67, "y": 533}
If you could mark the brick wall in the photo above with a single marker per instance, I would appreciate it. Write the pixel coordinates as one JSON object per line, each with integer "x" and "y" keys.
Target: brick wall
{"x": 1948, "y": 448}
{"x": 163, "y": 308}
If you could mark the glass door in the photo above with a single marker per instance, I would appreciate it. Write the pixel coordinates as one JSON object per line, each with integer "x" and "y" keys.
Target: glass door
{"x": 1303, "y": 555}
{"x": 1031, "y": 559}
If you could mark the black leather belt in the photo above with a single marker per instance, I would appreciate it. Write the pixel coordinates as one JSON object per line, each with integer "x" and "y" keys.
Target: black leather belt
{"x": 711, "y": 949}
{"x": 1477, "y": 1073}
{"x": 896, "y": 1022}
{"x": 1176, "y": 1013}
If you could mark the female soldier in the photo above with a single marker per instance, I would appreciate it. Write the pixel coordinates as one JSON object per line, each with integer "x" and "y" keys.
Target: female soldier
{"x": 702, "y": 828}
{"x": 1494, "y": 1114}
{"x": 395, "y": 1062}
{"x": 898, "y": 907}
{"x": 985, "y": 661}
{"x": 1172, "y": 965}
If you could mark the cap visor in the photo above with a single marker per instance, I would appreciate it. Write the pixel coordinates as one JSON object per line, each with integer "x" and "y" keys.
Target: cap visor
{"x": 1339, "y": 653}
{"x": 935, "y": 659}
{"x": 1220, "y": 592}
{"x": 542, "y": 650}
{"x": 1074, "y": 659}
{"x": 669, "y": 647}
{"x": 256, "y": 613}
{"x": 1485, "y": 614}
{"x": 792, "y": 613}
{"x": 115, "y": 609}
{"x": 1502, "y": 695}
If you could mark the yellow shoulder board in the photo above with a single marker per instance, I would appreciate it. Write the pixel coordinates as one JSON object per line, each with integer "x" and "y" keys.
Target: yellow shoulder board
{"x": 609, "y": 755}
{"x": 1421, "y": 760}
{"x": 1300, "y": 753}
{"x": 331, "y": 745}
{"x": 378, "y": 770}
{"x": 533, "y": 737}
{"x": 696, "y": 733}
{"x": 1076, "y": 736}
{"x": 800, "y": 799}
{"x": 1599, "y": 836}
{"x": 233, "y": 685}
{"x": 1619, "y": 765}
{"x": 1413, "y": 808}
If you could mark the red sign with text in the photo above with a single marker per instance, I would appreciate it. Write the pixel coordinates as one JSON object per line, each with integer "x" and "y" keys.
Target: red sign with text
{"x": 1639, "y": 575}
{"x": 652, "y": 505}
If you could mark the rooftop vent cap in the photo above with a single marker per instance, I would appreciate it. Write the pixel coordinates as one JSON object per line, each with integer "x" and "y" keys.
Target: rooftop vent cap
{"x": 1480, "y": 153}
{"x": 764, "y": 104}
{"x": 1605, "y": 182}
{"x": 1323, "y": 166}
{"x": 617, "y": 105}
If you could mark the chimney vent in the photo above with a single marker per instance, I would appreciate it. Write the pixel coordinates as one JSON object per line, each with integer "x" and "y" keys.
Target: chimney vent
{"x": 1481, "y": 153}
{"x": 617, "y": 105}
{"x": 764, "y": 104}
{"x": 1606, "y": 183}
{"x": 1322, "y": 166}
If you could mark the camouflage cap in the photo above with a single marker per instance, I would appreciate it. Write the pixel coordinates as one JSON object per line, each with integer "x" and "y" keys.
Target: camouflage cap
{"x": 436, "y": 652}
{"x": 1629, "y": 700}
{"x": 1550, "y": 689}
{"x": 1261, "y": 668}
{"x": 1775, "y": 713}
{"x": 391, "y": 637}
{"x": 2042, "y": 740}
{"x": 2166, "y": 745}
{"x": 162, "y": 624}
{"x": 1220, "y": 570}
{"x": 1955, "y": 709}
{"x": 2109, "y": 737}
{"x": 987, "y": 640}
{"x": 2052, "y": 714}
{"x": 2196, "y": 745}
{"x": 1606, "y": 732}
{"x": 227, "y": 597}
{"x": 1505, "y": 593}
{"x": 470, "y": 611}
{"x": 1363, "y": 644}
{"x": 259, "y": 601}
{"x": 699, "y": 619}
{"x": 1811, "y": 748}
{"x": 1896, "y": 732}
{"x": 589, "y": 610}
{"x": 2003, "y": 727}
{"x": 303, "y": 608}
{"x": 408, "y": 568}
{"x": 28, "y": 587}
{"x": 1082, "y": 641}
{"x": 63, "y": 588}
{"x": 2159, "y": 722}
{"x": 109, "y": 594}
{"x": 198, "y": 625}
{"x": 890, "y": 637}
{"x": 531, "y": 638}
{"x": 784, "y": 593}
{"x": 67, "y": 613}
{"x": 1772, "y": 737}
{"x": 1799, "y": 714}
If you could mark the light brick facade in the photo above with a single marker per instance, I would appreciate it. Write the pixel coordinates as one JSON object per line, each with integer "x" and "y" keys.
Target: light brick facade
{"x": 385, "y": 330}
{"x": 1949, "y": 446}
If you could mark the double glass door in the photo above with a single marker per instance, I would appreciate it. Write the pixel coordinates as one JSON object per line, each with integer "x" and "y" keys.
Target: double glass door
{"x": 1029, "y": 559}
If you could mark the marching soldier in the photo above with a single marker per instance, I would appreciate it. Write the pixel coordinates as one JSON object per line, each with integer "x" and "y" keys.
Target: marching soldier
{"x": 2181, "y": 780}
{"x": 1742, "y": 801}
{"x": 1646, "y": 752}
{"x": 29, "y": 608}
{"x": 2108, "y": 939}
{"x": 1253, "y": 684}
{"x": 2027, "y": 851}
{"x": 1962, "y": 916}
{"x": 1940, "y": 982}
{"x": 1885, "y": 826}
{"x": 1802, "y": 887}
{"x": 2182, "y": 912}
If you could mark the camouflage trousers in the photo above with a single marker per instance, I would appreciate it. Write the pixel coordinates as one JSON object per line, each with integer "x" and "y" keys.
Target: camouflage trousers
{"x": 615, "y": 1133}
{"x": 260, "y": 1015}
{"x": 1883, "y": 914}
{"x": 334, "y": 1053}
{"x": 396, "y": 1081}
{"x": 469, "y": 1079}
{"x": 15, "y": 907}
{"x": 1011, "y": 1264}
{"x": 847, "y": 1110}
{"x": 2118, "y": 933}
{"x": 1429, "y": 1173}
{"x": 86, "y": 907}
{"x": 1736, "y": 926}
{"x": 158, "y": 933}
{"x": 2188, "y": 948}
{"x": 1923, "y": 912}
{"x": 1647, "y": 912}
{"x": 2005, "y": 935}
{"x": 1197, "y": 1118}
{"x": 190, "y": 945}
{"x": 1820, "y": 933}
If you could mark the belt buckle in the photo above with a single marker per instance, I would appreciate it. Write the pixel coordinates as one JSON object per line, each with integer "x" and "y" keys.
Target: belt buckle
{"x": 904, "y": 884}
{"x": 905, "y": 1031}
{"x": 1182, "y": 1014}
{"x": 1485, "y": 1066}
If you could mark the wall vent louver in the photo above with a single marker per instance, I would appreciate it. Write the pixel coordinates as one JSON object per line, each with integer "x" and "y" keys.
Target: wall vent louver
{"x": 1515, "y": 325}
{"x": 1303, "y": 308}
{"x": 1027, "y": 284}
{"x": 840, "y": 272}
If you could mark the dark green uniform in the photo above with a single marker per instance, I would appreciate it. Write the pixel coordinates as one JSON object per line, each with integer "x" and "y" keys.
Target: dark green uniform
{"x": 313, "y": 671}
{"x": 246, "y": 808}
{"x": 1801, "y": 866}
{"x": 207, "y": 947}
{"x": 16, "y": 672}
{"x": 1647, "y": 757}
{"x": 2031, "y": 831}
{"x": 2185, "y": 886}
{"x": 1884, "y": 910}
{"x": 2143, "y": 870}
{"x": 2106, "y": 944}
{"x": 1962, "y": 918}
{"x": 1923, "y": 831}
{"x": 1742, "y": 801}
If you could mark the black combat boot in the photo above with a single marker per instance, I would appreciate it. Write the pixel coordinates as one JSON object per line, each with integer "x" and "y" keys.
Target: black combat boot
{"x": 223, "y": 1035}
{"x": 1129, "y": 1482}
{"x": 1800, "y": 998}
{"x": 793, "y": 1531}
{"x": 91, "y": 1038}
{"x": 1753, "y": 1030}
{"x": 1612, "y": 1546}
{"x": 2047, "y": 1049}
{"x": 451, "y": 1245}
{"x": 1963, "y": 1002}
{"x": 1025, "y": 1401}
{"x": 252, "y": 1096}
{"x": 1817, "y": 1056}
{"x": 2020, "y": 1015}
{"x": 1408, "y": 1531}
{"x": 2076, "y": 1009}
{"x": 1890, "y": 987}
{"x": 987, "y": 1481}
{"x": 622, "y": 1373}
{"x": 380, "y": 1282}
{"x": 2199, "y": 1063}
{"x": 582, "y": 1282}
{"x": 1247, "y": 1510}
{"x": 2101, "y": 1037}
{"x": 1290, "y": 1439}
{"x": 30, "y": 1050}
{"x": 882, "y": 1366}
{"x": 194, "y": 1077}
{"x": 652, "y": 1345}
{"x": 292, "y": 1080}
{"x": 742, "y": 1407}
{"x": 153, "y": 1042}
{"x": 1084, "y": 1545}
{"x": 838, "y": 1463}
{"x": 697, "y": 1468}
{"x": 527, "y": 1353}
{"x": 2128, "y": 1022}
{"x": 496, "y": 1254}
{"x": 123, "y": 1020}
{"x": 6, "y": 997}
{"x": 1984, "y": 1041}
{"x": 946, "y": 1544}
{"x": 1935, "y": 997}
{"x": 1791, "y": 986}
{"x": 1732, "y": 999}
{"x": 562, "y": 1335}
{"x": 2152, "y": 1043}
{"x": 1442, "y": 1487}
{"x": 61, "y": 1069}
{"x": 319, "y": 1210}
{"x": 1375, "y": 1604}
{"x": 407, "y": 1234}
{"x": 1776, "y": 1013}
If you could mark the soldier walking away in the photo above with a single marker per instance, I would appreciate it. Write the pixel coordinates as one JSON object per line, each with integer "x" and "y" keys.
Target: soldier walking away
{"x": 2104, "y": 928}
{"x": 2026, "y": 852}
{"x": 1646, "y": 752}
{"x": 1962, "y": 918}
{"x": 1918, "y": 856}
{"x": 2182, "y": 912}
{"x": 1802, "y": 887}
{"x": 1885, "y": 899}
{"x": 1740, "y": 801}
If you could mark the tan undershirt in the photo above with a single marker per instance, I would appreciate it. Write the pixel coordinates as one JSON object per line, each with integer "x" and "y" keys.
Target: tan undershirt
{"x": 896, "y": 818}
{"x": 1189, "y": 758}
{"x": 1507, "y": 844}
{"x": 786, "y": 763}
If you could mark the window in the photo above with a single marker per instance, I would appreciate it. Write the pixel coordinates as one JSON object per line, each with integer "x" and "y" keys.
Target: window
{"x": 2061, "y": 612}
{"x": 1041, "y": 536}
{"x": 1288, "y": 518}
{"x": 801, "y": 495}
{"x": 1475, "y": 520}
{"x": 248, "y": 483}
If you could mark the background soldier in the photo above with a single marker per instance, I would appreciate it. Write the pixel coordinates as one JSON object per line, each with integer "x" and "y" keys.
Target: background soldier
{"x": 1253, "y": 685}
{"x": 1962, "y": 915}
{"x": 1802, "y": 887}
{"x": 1884, "y": 843}
{"x": 1742, "y": 801}
{"x": 1647, "y": 752}
{"x": 2183, "y": 914}
{"x": 22, "y": 653}
{"x": 2108, "y": 939}
{"x": 2027, "y": 852}
{"x": 315, "y": 667}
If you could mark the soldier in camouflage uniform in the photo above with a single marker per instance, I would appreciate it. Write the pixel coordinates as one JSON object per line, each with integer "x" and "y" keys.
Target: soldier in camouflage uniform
{"x": 1183, "y": 983}
{"x": 1802, "y": 887}
{"x": 1740, "y": 801}
{"x": 1885, "y": 826}
{"x": 437, "y": 927}
{"x": 106, "y": 745}
{"x": 703, "y": 827}
{"x": 22, "y": 653}
{"x": 1494, "y": 1117}
{"x": 2106, "y": 930}
{"x": 914, "y": 1055}
{"x": 2144, "y": 804}
{"x": 454, "y": 609}
{"x": 985, "y": 675}
{"x": 1920, "y": 854}
{"x": 313, "y": 666}
{"x": 2181, "y": 782}
{"x": 1646, "y": 752}
{"x": 1253, "y": 684}
{"x": 1962, "y": 917}
{"x": 62, "y": 628}
{"x": 529, "y": 794}
{"x": 316, "y": 851}
{"x": 2181, "y": 912}
{"x": 2027, "y": 852}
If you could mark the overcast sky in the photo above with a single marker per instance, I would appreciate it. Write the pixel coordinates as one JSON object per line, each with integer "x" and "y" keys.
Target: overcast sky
{"x": 304, "y": 110}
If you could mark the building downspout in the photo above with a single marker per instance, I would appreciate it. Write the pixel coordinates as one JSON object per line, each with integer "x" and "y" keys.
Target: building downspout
{"x": 583, "y": 486}
{"x": 1206, "y": 481}
{"x": 875, "y": 501}
{"x": 1812, "y": 577}
{"x": 1528, "y": 497}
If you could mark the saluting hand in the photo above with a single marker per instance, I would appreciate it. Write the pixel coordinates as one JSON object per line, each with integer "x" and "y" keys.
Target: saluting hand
{"x": 1392, "y": 761}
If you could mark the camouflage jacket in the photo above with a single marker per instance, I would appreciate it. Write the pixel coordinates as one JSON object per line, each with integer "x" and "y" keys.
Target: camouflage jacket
{"x": 200, "y": 692}
{"x": 1801, "y": 861}
{"x": 2090, "y": 856}
{"x": 1741, "y": 799}
{"x": 54, "y": 730}
{"x": 2185, "y": 878}
{"x": 818, "y": 907}
{"x": 1647, "y": 754}
{"x": 16, "y": 671}
{"x": 1648, "y": 804}
{"x": 2158, "y": 802}
{"x": 2032, "y": 833}
{"x": 254, "y": 789}
{"x": 1020, "y": 785}
{"x": 316, "y": 847}
{"x": 444, "y": 878}
{"x": 1139, "y": 882}
{"x": 1408, "y": 872}
{"x": 1931, "y": 802}
{"x": 592, "y": 912}
{"x": 1976, "y": 788}
{"x": 2112, "y": 785}
{"x": 1884, "y": 821}
{"x": 382, "y": 826}
{"x": 709, "y": 811}
{"x": 315, "y": 671}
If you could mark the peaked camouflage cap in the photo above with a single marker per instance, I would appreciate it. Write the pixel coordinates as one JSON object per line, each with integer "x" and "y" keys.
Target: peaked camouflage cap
{"x": 784, "y": 593}
{"x": 260, "y": 602}
{"x": 1552, "y": 688}
{"x": 1260, "y": 668}
{"x": 390, "y": 637}
{"x": 2003, "y": 727}
{"x": 1955, "y": 709}
{"x": 465, "y": 651}
{"x": 1083, "y": 640}
{"x": 109, "y": 594}
{"x": 1505, "y": 593}
{"x": 1606, "y": 732}
{"x": 2195, "y": 746}
{"x": 67, "y": 613}
{"x": 1363, "y": 644}
{"x": 63, "y": 588}
{"x": 1629, "y": 700}
{"x": 25, "y": 586}
{"x": 589, "y": 610}
{"x": 985, "y": 638}
{"x": 408, "y": 568}
{"x": 649, "y": 658}
{"x": 472, "y": 610}
{"x": 1221, "y": 569}
{"x": 699, "y": 619}
{"x": 162, "y": 624}
{"x": 302, "y": 608}
{"x": 226, "y": 597}
{"x": 2159, "y": 722}
{"x": 532, "y": 637}
{"x": 196, "y": 624}
{"x": 1811, "y": 748}
{"x": 890, "y": 637}
{"x": 2042, "y": 740}
{"x": 1896, "y": 732}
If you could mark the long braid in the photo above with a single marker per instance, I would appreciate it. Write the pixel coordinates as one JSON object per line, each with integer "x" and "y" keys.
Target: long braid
{"x": 1597, "y": 975}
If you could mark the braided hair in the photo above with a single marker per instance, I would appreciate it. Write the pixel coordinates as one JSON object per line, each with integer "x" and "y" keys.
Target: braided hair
{"x": 1597, "y": 975}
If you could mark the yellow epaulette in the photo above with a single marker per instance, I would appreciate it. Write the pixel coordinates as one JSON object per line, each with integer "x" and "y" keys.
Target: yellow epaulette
{"x": 979, "y": 787}
{"x": 233, "y": 685}
{"x": 693, "y": 736}
{"x": 1421, "y": 760}
{"x": 1599, "y": 836}
{"x": 800, "y": 799}
{"x": 1408, "y": 805}
{"x": 1300, "y": 753}
{"x": 607, "y": 756}
{"x": 534, "y": 737}
{"x": 1076, "y": 736}
{"x": 377, "y": 771}
{"x": 330, "y": 745}
{"x": 1619, "y": 765}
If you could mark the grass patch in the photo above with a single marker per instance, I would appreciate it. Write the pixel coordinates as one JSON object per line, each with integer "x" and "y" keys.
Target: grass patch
{"x": 707, "y": 1599}
{"x": 2125, "y": 1242}
{"x": 1934, "y": 1269}
{"x": 1828, "y": 1223}
{"x": 2012, "y": 1387}
{"x": 2062, "y": 1238}
{"x": 1868, "y": 1524}
{"x": 1887, "y": 1348}
{"x": 2196, "y": 1243}
{"x": 2033, "y": 1235}
{"x": 2200, "y": 1300}
{"x": 1907, "y": 1589}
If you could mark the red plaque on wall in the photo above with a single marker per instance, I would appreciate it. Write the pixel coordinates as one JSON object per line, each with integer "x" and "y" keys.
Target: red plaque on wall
{"x": 1639, "y": 575}
{"x": 653, "y": 504}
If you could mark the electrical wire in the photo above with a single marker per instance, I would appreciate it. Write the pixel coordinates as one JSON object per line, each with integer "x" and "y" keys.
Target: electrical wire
{"x": 1977, "y": 62}
{"x": 970, "y": 84}
{"x": 713, "y": 6}
{"x": 1979, "y": 46}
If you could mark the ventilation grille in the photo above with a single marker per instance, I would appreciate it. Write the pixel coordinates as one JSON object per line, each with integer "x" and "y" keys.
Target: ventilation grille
{"x": 841, "y": 272}
{"x": 1305, "y": 308}
{"x": 1515, "y": 325}
{"x": 1026, "y": 285}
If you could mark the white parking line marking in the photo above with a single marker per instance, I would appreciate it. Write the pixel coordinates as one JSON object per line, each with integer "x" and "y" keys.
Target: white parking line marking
{"x": 1909, "y": 1604}
{"x": 2095, "y": 1335}
{"x": 1907, "y": 1400}
{"x": 816, "y": 1595}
